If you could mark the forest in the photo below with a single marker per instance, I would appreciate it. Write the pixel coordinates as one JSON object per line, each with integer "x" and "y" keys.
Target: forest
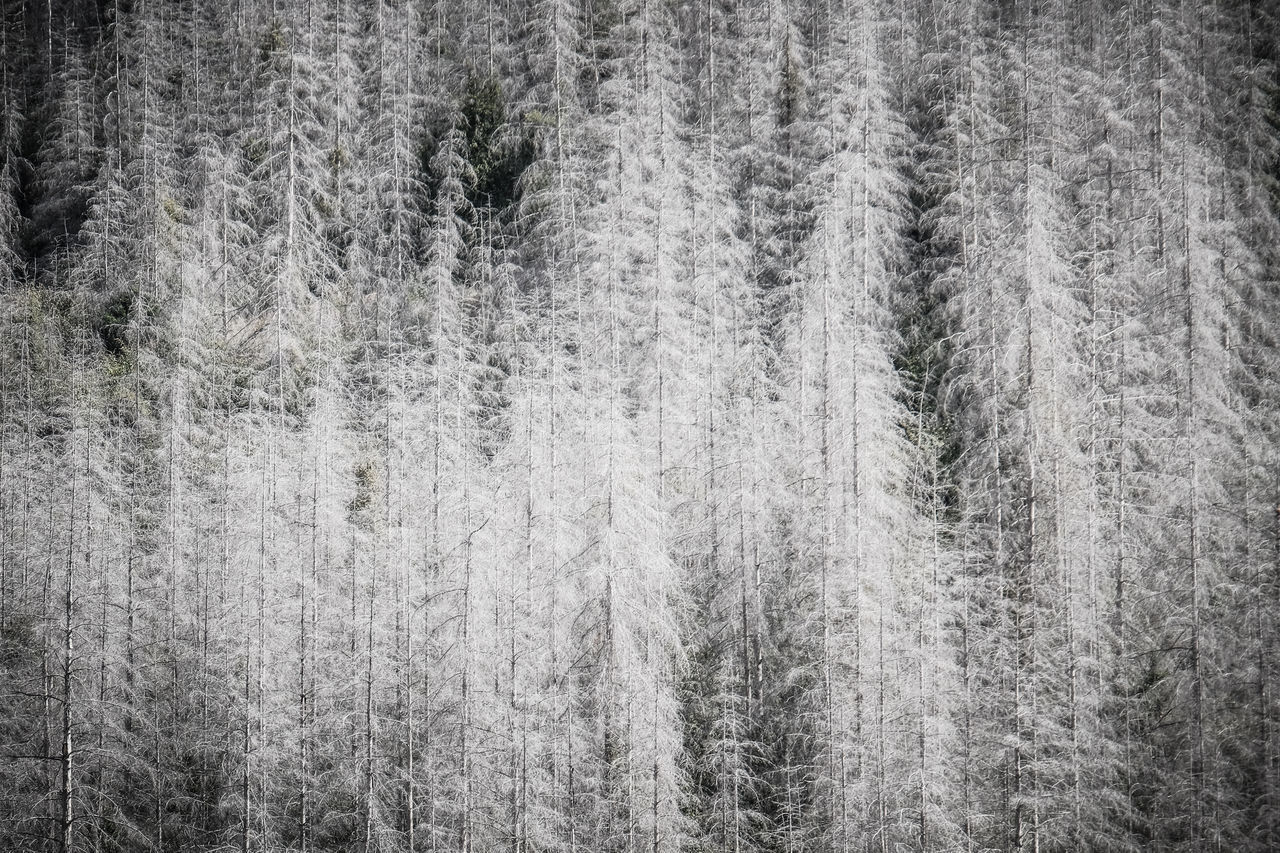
{"x": 639, "y": 426}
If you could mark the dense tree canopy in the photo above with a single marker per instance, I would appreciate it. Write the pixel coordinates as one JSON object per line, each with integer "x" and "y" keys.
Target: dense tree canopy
{"x": 544, "y": 425}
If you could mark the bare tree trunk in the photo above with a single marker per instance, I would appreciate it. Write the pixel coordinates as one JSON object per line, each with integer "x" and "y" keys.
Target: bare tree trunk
{"x": 65, "y": 791}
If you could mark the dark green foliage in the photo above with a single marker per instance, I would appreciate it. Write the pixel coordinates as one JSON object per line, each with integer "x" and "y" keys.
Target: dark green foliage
{"x": 53, "y": 196}
{"x": 483, "y": 115}
{"x": 254, "y": 150}
{"x": 18, "y": 643}
{"x": 497, "y": 150}
{"x": 273, "y": 42}
{"x": 112, "y": 322}
{"x": 923, "y": 341}
{"x": 366, "y": 480}
{"x": 501, "y": 186}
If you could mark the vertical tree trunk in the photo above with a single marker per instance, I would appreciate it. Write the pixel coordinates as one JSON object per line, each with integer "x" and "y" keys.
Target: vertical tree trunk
{"x": 369, "y": 738}
{"x": 65, "y": 791}
{"x": 1191, "y": 430}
